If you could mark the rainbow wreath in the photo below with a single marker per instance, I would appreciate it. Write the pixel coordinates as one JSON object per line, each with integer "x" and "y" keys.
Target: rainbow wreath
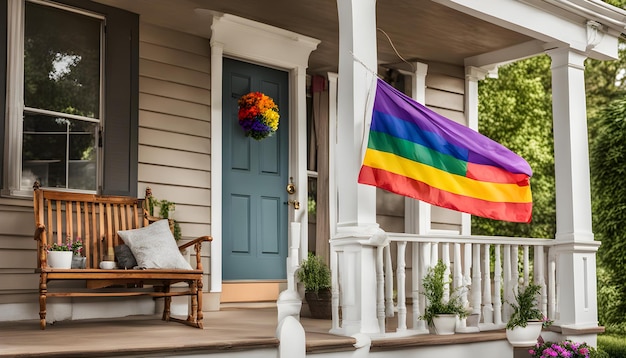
{"x": 258, "y": 115}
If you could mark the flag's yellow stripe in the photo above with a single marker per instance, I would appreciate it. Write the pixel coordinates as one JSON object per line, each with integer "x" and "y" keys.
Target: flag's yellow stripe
{"x": 442, "y": 180}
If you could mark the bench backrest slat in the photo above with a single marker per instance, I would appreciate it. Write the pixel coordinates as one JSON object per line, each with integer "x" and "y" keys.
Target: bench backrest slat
{"x": 94, "y": 218}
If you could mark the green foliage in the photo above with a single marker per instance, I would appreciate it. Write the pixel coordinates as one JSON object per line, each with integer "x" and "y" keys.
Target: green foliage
{"x": 525, "y": 307}
{"x": 608, "y": 177}
{"x": 314, "y": 274}
{"x": 515, "y": 110}
{"x": 608, "y": 298}
{"x": 434, "y": 284}
{"x": 614, "y": 346}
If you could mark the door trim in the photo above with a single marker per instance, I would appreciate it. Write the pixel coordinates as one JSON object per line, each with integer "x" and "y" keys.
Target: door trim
{"x": 258, "y": 43}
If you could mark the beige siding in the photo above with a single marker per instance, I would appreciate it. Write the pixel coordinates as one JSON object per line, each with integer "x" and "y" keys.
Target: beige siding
{"x": 174, "y": 153}
{"x": 17, "y": 250}
{"x": 174, "y": 126}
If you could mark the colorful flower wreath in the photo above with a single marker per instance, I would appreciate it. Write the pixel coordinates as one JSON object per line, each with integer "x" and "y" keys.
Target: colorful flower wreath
{"x": 258, "y": 115}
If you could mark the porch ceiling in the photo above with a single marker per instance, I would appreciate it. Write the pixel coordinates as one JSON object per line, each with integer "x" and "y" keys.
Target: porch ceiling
{"x": 421, "y": 30}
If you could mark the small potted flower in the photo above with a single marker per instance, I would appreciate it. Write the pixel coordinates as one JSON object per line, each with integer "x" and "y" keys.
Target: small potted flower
{"x": 59, "y": 255}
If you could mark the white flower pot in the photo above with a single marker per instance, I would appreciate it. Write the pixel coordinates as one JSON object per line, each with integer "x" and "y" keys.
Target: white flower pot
{"x": 524, "y": 336}
{"x": 444, "y": 324}
{"x": 60, "y": 259}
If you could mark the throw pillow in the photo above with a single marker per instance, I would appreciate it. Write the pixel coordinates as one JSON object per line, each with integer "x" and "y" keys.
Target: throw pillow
{"x": 154, "y": 246}
{"x": 124, "y": 257}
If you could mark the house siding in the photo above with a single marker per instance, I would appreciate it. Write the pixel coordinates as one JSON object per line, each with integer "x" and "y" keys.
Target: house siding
{"x": 174, "y": 126}
{"x": 174, "y": 159}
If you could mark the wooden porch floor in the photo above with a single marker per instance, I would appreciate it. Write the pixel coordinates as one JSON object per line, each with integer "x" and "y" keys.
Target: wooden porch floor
{"x": 229, "y": 330}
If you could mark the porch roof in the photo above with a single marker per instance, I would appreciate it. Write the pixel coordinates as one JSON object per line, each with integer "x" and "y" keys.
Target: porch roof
{"x": 432, "y": 32}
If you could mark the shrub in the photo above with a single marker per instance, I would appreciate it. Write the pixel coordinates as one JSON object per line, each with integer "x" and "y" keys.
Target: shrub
{"x": 614, "y": 346}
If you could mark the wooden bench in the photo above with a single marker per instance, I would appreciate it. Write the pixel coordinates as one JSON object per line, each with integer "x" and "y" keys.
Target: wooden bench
{"x": 96, "y": 220}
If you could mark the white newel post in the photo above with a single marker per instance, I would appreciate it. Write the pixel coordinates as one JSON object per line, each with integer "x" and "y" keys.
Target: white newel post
{"x": 576, "y": 249}
{"x": 358, "y": 237}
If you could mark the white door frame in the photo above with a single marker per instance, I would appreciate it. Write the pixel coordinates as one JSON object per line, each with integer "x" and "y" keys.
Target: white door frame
{"x": 258, "y": 43}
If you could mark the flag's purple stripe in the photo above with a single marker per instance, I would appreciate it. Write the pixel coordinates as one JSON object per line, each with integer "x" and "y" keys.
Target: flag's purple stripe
{"x": 481, "y": 150}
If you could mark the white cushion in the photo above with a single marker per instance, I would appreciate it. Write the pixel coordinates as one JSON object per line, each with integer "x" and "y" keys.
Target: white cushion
{"x": 154, "y": 246}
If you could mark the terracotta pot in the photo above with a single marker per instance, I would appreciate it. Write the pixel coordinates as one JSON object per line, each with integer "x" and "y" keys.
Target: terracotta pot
{"x": 524, "y": 336}
{"x": 320, "y": 304}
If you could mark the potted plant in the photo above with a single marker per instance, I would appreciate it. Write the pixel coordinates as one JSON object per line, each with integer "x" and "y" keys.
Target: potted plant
{"x": 59, "y": 255}
{"x": 439, "y": 313}
{"x": 524, "y": 326}
{"x": 315, "y": 275}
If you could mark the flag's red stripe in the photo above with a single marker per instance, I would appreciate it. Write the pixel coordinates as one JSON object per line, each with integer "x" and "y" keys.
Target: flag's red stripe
{"x": 488, "y": 173}
{"x": 516, "y": 212}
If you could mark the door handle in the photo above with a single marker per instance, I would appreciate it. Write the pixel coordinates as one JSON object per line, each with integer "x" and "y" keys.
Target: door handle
{"x": 295, "y": 203}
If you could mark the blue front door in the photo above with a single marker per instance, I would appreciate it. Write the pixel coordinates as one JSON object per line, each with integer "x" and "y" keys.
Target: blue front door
{"x": 254, "y": 212}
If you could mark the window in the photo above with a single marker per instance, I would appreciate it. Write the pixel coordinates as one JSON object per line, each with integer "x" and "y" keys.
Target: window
{"x": 71, "y": 96}
{"x": 62, "y": 101}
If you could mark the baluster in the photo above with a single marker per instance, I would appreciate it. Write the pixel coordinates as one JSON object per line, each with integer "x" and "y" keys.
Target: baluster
{"x": 445, "y": 257}
{"x": 497, "y": 283}
{"x": 552, "y": 307}
{"x": 401, "y": 286}
{"x": 476, "y": 280}
{"x": 467, "y": 267}
{"x": 334, "y": 287}
{"x": 515, "y": 266}
{"x": 540, "y": 278}
{"x": 457, "y": 277}
{"x": 380, "y": 289}
{"x": 508, "y": 288}
{"x": 526, "y": 267}
{"x": 425, "y": 264}
{"x": 418, "y": 273}
{"x": 487, "y": 305}
{"x": 389, "y": 308}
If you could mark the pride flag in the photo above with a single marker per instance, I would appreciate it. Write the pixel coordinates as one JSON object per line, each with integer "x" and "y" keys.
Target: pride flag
{"x": 415, "y": 152}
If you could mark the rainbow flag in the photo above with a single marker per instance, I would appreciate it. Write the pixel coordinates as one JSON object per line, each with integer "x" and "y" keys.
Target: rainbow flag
{"x": 415, "y": 152}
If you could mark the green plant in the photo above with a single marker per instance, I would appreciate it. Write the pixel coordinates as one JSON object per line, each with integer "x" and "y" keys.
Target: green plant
{"x": 613, "y": 345}
{"x": 525, "y": 307}
{"x": 75, "y": 246}
{"x": 314, "y": 274}
{"x": 165, "y": 207}
{"x": 434, "y": 286}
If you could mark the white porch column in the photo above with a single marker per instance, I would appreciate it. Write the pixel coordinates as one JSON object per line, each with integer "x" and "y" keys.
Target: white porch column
{"x": 358, "y": 235}
{"x": 472, "y": 76}
{"x": 576, "y": 250}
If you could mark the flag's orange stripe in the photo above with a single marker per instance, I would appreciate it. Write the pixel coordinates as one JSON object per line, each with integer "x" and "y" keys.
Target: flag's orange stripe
{"x": 516, "y": 212}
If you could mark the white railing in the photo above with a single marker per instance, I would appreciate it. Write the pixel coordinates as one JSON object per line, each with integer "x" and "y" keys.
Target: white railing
{"x": 491, "y": 268}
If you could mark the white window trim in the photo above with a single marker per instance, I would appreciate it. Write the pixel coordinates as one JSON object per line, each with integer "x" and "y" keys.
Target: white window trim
{"x": 15, "y": 99}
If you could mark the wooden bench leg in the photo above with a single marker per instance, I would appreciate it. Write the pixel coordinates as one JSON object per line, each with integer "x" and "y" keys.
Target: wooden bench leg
{"x": 43, "y": 291}
{"x": 167, "y": 302}
{"x": 200, "y": 315}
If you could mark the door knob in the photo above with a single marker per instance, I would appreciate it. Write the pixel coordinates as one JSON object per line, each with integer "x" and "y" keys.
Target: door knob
{"x": 291, "y": 188}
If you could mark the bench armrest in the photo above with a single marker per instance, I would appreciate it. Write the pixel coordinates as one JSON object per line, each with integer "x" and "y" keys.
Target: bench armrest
{"x": 197, "y": 244}
{"x": 39, "y": 236}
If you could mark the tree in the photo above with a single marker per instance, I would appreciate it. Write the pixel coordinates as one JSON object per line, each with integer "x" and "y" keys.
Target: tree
{"x": 608, "y": 174}
{"x": 515, "y": 110}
